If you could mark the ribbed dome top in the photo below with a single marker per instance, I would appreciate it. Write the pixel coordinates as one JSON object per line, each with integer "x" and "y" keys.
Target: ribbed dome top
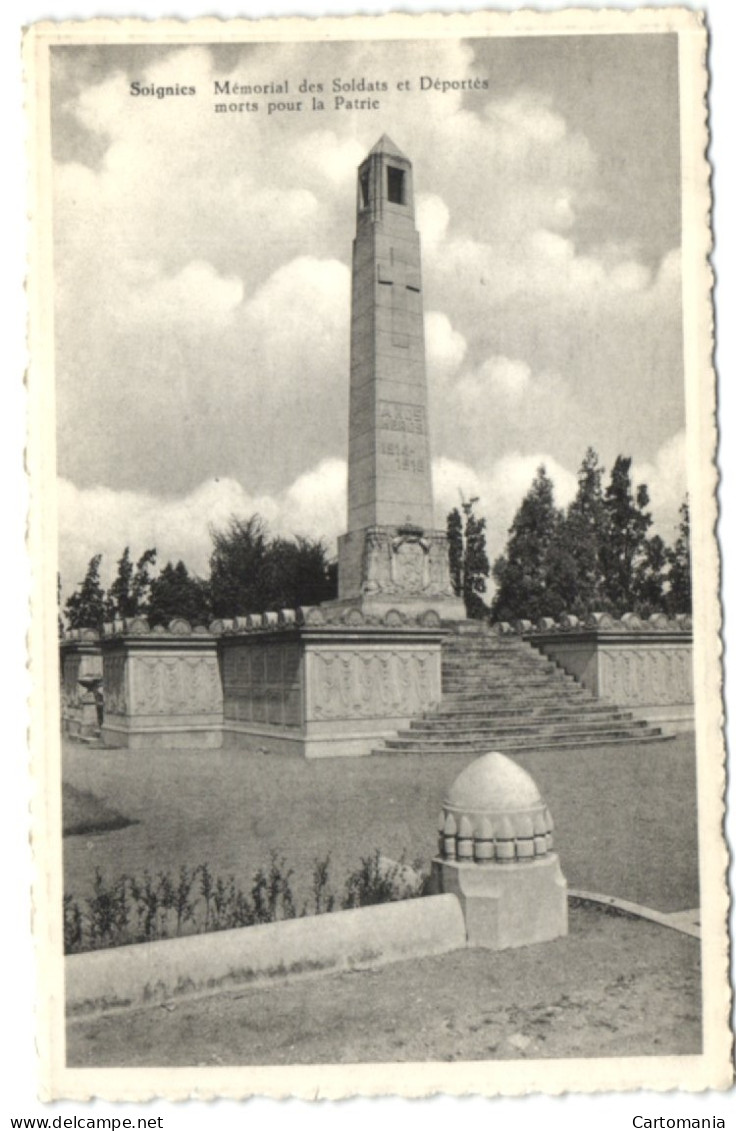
{"x": 493, "y": 784}
{"x": 494, "y": 812}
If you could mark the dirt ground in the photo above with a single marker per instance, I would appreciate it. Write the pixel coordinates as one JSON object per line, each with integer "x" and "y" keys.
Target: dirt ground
{"x": 625, "y": 815}
{"x": 614, "y": 987}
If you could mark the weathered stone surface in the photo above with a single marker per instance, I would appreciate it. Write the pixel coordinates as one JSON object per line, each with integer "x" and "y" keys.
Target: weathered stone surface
{"x": 362, "y": 937}
{"x": 509, "y": 905}
{"x": 323, "y": 691}
{"x": 80, "y": 662}
{"x": 493, "y": 796}
{"x": 495, "y": 856}
{"x": 179, "y": 627}
{"x": 162, "y": 691}
{"x": 649, "y": 672}
{"x": 391, "y": 548}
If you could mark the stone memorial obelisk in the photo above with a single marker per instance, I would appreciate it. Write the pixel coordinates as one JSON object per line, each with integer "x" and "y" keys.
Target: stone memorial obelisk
{"x": 391, "y": 556}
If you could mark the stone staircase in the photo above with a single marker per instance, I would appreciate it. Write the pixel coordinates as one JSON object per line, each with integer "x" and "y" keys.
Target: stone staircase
{"x": 499, "y": 693}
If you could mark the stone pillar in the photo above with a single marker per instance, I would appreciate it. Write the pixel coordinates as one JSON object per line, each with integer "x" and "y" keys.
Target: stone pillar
{"x": 391, "y": 552}
{"x": 81, "y": 668}
{"x": 496, "y": 856}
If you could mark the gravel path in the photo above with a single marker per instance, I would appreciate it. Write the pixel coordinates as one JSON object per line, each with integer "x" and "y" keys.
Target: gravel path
{"x": 614, "y": 987}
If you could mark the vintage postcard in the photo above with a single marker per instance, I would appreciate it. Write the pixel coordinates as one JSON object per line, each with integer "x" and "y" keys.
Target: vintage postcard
{"x": 375, "y": 653}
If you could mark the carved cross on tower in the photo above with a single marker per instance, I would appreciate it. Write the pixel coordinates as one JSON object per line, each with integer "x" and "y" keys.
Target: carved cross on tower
{"x": 401, "y": 277}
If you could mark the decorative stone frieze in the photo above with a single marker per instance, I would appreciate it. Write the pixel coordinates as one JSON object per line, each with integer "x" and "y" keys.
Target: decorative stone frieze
{"x": 162, "y": 689}
{"x": 643, "y": 665}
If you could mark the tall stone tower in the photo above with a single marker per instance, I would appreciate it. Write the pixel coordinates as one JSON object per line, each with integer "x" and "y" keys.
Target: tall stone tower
{"x": 391, "y": 556}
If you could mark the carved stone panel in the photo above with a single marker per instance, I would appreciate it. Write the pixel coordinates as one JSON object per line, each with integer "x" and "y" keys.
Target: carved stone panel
{"x": 364, "y": 683}
{"x": 410, "y": 565}
{"x": 175, "y": 685}
{"x": 113, "y": 683}
{"x": 639, "y": 675}
{"x": 70, "y": 688}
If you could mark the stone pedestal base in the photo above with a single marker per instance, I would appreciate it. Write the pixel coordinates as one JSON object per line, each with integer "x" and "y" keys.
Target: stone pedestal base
{"x": 89, "y": 723}
{"x": 377, "y": 608}
{"x": 163, "y": 736}
{"x": 507, "y": 905}
{"x": 381, "y": 568}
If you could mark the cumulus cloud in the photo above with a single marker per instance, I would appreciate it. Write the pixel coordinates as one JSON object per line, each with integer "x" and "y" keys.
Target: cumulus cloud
{"x": 445, "y": 347}
{"x": 195, "y": 297}
{"x": 432, "y": 218}
{"x": 497, "y": 377}
{"x": 203, "y": 286}
{"x": 100, "y": 520}
{"x": 666, "y": 478}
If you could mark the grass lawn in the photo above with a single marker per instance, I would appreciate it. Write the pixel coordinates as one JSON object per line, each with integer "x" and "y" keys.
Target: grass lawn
{"x": 625, "y": 815}
{"x": 84, "y": 813}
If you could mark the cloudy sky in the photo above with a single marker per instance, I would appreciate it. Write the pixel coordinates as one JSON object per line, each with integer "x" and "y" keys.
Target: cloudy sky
{"x": 202, "y": 267}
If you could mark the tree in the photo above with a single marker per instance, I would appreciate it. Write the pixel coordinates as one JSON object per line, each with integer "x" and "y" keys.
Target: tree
{"x": 522, "y": 573}
{"x": 59, "y": 618}
{"x": 455, "y": 549}
{"x": 297, "y": 573}
{"x": 650, "y": 577}
{"x": 175, "y": 593}
{"x": 87, "y": 606}
{"x": 119, "y": 592}
{"x": 129, "y": 593}
{"x": 583, "y": 533}
{"x": 469, "y": 565}
{"x": 250, "y": 573}
{"x": 624, "y": 548}
{"x": 679, "y": 595}
{"x": 237, "y": 565}
{"x": 142, "y": 580}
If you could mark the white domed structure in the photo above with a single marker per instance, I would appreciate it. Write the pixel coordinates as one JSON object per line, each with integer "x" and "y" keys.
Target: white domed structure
{"x": 495, "y": 855}
{"x": 494, "y": 812}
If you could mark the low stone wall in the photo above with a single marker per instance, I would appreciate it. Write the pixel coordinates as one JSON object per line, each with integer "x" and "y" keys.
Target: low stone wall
{"x": 644, "y": 666}
{"x": 365, "y": 937}
{"x": 80, "y": 659}
{"x": 315, "y": 682}
{"x": 321, "y": 689}
{"x": 162, "y": 688}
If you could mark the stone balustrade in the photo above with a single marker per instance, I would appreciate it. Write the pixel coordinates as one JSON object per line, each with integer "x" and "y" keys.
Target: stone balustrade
{"x": 314, "y": 680}
{"x": 642, "y": 664}
{"x": 601, "y": 622}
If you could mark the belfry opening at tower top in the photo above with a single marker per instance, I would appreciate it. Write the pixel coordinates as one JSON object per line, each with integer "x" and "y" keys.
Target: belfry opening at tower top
{"x": 391, "y": 554}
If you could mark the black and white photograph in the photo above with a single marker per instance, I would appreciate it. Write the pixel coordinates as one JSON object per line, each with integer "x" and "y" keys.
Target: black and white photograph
{"x": 378, "y": 709}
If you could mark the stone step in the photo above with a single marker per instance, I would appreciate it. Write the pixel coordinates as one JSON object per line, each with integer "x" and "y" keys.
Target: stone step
{"x": 461, "y": 715}
{"x": 655, "y": 735}
{"x": 536, "y": 679}
{"x": 562, "y": 695}
{"x": 548, "y": 730}
{"x": 494, "y": 723}
{"x": 462, "y": 662}
{"x": 476, "y": 667}
{"x": 522, "y": 742}
{"x": 448, "y": 724}
{"x": 498, "y": 692}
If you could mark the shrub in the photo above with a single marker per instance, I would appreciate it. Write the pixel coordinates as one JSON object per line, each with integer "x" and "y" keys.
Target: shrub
{"x": 142, "y": 909}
